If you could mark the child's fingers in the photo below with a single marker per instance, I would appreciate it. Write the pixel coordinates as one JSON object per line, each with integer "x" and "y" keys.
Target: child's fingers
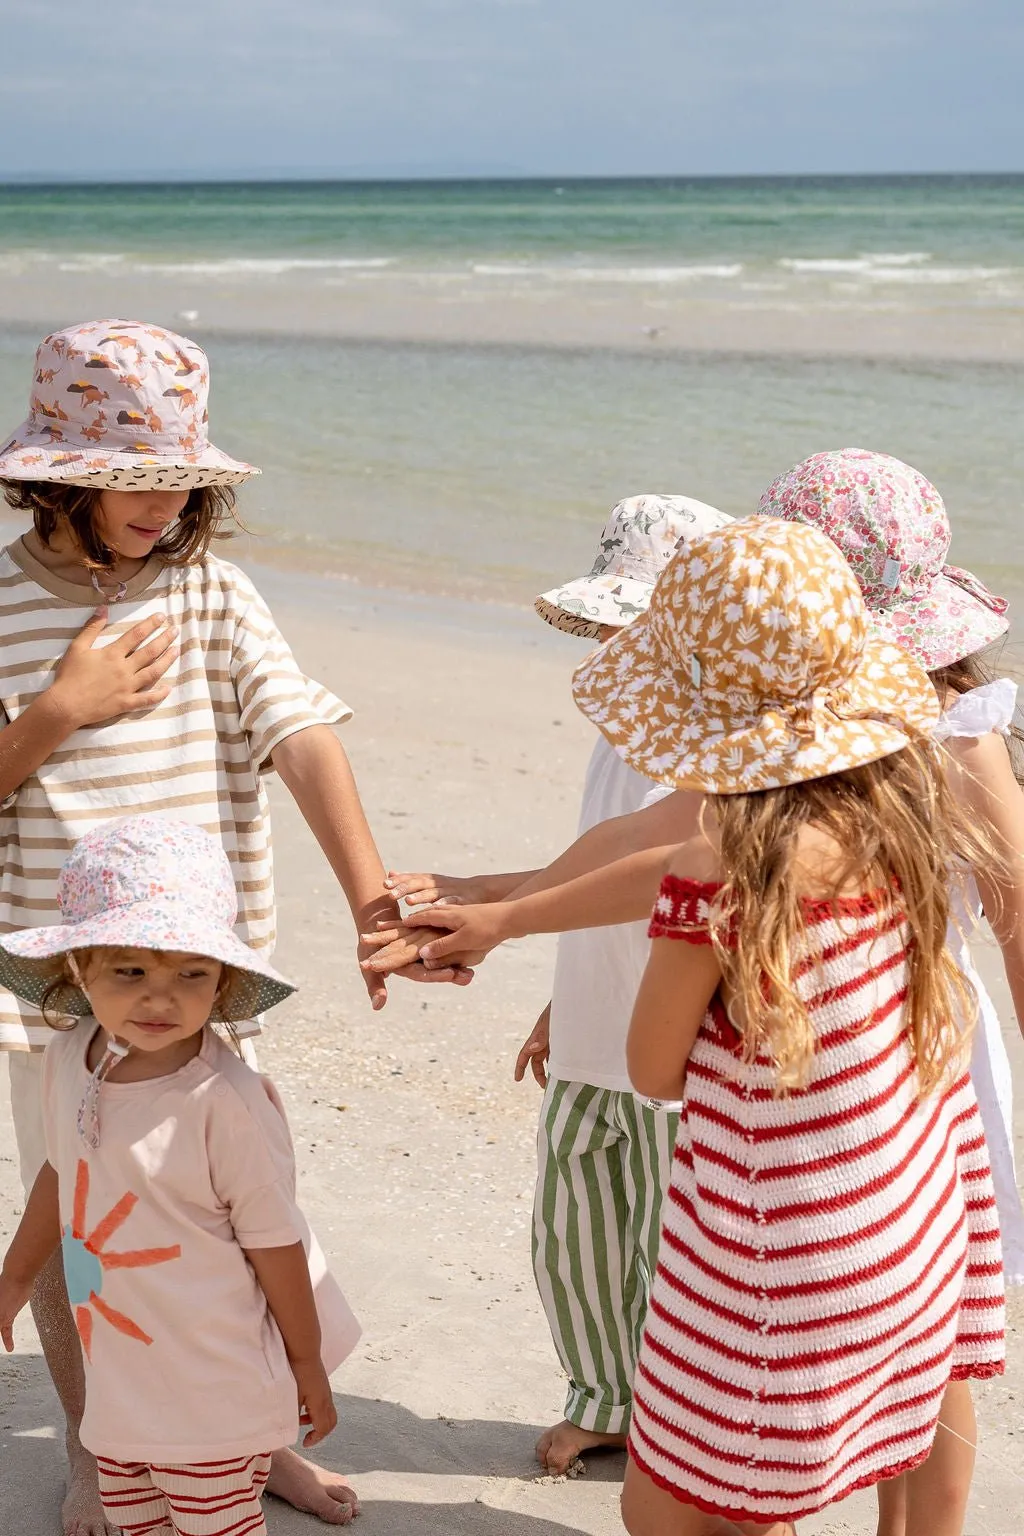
{"x": 539, "y": 1066}
{"x": 386, "y": 934}
{"x": 445, "y": 914}
{"x": 444, "y": 948}
{"x": 7, "y": 1334}
{"x": 377, "y": 990}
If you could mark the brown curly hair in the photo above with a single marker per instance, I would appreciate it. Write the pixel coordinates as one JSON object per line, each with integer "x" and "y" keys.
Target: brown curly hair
{"x": 208, "y": 514}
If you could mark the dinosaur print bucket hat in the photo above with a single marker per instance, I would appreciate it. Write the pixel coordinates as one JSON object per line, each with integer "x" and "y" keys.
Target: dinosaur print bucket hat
{"x": 891, "y": 524}
{"x": 119, "y": 405}
{"x": 638, "y": 542}
{"x": 144, "y": 883}
{"x": 754, "y": 667}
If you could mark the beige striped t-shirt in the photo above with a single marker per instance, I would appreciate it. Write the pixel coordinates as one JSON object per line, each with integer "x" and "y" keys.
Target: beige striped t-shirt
{"x": 200, "y": 755}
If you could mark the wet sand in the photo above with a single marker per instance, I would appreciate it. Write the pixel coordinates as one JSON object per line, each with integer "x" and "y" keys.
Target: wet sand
{"x": 452, "y": 309}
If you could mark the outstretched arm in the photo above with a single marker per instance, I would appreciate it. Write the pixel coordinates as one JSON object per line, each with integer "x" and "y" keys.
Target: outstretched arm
{"x": 611, "y": 876}
{"x": 669, "y": 821}
{"x": 622, "y": 892}
{"x": 315, "y": 768}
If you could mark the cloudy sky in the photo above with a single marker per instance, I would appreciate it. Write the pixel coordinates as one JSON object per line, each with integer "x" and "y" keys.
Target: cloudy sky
{"x": 559, "y": 87}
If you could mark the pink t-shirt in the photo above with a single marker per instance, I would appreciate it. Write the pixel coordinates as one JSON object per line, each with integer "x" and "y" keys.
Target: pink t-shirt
{"x": 184, "y": 1362}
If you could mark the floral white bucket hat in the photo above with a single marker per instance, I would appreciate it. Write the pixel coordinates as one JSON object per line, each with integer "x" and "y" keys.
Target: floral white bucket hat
{"x": 144, "y": 883}
{"x": 119, "y": 405}
{"x": 891, "y": 524}
{"x": 638, "y": 542}
{"x": 754, "y": 667}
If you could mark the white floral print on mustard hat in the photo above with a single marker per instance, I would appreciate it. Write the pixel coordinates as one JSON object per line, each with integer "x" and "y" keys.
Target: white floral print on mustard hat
{"x": 637, "y": 543}
{"x": 754, "y": 667}
{"x": 119, "y": 405}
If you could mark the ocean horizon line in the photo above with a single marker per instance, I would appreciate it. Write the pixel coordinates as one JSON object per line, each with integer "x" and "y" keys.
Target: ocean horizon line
{"x": 358, "y": 178}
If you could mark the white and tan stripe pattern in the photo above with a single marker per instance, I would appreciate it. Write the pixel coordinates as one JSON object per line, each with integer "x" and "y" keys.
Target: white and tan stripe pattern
{"x": 830, "y": 1259}
{"x": 238, "y": 693}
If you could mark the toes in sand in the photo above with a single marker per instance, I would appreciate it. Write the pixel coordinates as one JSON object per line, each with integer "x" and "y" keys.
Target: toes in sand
{"x": 558, "y": 1447}
{"x": 312, "y": 1489}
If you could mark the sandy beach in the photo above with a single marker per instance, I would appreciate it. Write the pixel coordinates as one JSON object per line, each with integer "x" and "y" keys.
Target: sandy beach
{"x": 415, "y": 1147}
{"x": 453, "y": 309}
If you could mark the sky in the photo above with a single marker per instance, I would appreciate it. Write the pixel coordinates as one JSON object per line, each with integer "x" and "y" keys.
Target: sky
{"x": 209, "y": 88}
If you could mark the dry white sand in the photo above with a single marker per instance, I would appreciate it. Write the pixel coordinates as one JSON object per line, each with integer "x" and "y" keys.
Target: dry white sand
{"x": 415, "y": 1147}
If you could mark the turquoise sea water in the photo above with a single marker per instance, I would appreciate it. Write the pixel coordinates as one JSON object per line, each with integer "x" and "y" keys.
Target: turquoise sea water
{"x": 490, "y": 468}
{"x": 964, "y": 232}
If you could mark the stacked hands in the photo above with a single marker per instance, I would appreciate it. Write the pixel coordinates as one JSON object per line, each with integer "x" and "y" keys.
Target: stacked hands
{"x": 458, "y": 921}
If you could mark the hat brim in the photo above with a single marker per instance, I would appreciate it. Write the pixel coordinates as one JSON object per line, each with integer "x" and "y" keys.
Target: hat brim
{"x": 27, "y": 969}
{"x": 27, "y": 457}
{"x": 657, "y": 720}
{"x": 583, "y": 607}
{"x": 941, "y": 626}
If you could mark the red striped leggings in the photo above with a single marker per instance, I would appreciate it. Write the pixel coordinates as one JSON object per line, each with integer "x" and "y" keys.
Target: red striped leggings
{"x": 209, "y": 1498}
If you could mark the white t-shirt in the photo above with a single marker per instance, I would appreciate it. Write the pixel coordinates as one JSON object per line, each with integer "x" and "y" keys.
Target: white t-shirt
{"x": 598, "y": 970}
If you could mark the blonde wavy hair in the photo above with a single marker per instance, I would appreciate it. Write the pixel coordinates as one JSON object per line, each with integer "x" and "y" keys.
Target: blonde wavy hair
{"x": 899, "y": 833}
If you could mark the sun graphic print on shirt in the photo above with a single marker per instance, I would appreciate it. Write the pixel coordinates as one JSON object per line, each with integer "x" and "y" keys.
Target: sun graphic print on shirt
{"x": 86, "y": 1259}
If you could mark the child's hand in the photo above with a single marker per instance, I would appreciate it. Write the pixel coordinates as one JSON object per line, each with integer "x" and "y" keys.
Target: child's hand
{"x": 94, "y": 684}
{"x": 397, "y": 948}
{"x": 472, "y": 932}
{"x": 536, "y": 1050}
{"x": 13, "y": 1296}
{"x": 316, "y": 1404}
{"x": 454, "y": 890}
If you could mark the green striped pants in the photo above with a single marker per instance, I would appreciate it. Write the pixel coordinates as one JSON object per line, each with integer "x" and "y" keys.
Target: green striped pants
{"x": 604, "y": 1160}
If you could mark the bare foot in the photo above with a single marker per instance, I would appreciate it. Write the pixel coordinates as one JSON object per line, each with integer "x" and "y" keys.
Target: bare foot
{"x": 560, "y": 1446}
{"x": 82, "y": 1512}
{"x": 310, "y": 1488}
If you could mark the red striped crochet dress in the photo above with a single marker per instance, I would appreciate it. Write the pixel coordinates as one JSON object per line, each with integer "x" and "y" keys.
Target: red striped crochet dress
{"x": 830, "y": 1259}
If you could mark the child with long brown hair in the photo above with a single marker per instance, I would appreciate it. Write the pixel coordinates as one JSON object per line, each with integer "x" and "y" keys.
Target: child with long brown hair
{"x": 830, "y": 1273}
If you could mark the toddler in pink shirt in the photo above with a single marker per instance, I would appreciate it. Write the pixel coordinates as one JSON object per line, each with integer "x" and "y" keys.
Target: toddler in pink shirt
{"x": 209, "y": 1321}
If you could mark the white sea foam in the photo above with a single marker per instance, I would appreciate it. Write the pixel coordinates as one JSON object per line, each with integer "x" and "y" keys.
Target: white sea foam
{"x": 936, "y": 275}
{"x": 228, "y": 266}
{"x": 608, "y": 274}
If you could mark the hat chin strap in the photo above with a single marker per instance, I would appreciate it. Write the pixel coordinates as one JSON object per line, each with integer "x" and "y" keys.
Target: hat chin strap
{"x": 89, "y": 1109}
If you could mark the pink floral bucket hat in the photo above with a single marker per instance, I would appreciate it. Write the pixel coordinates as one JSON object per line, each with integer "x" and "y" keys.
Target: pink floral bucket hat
{"x": 637, "y": 543}
{"x": 119, "y": 405}
{"x": 144, "y": 883}
{"x": 754, "y": 667}
{"x": 891, "y": 524}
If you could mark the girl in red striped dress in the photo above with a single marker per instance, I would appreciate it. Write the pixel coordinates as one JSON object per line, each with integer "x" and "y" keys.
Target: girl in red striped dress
{"x": 830, "y": 1274}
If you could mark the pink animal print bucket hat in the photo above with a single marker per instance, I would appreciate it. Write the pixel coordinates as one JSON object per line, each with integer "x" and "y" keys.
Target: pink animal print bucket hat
{"x": 119, "y": 405}
{"x": 638, "y": 541}
{"x": 891, "y": 524}
{"x": 144, "y": 883}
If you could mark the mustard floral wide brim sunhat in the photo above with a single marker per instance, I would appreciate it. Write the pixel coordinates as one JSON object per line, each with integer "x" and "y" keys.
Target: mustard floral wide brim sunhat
{"x": 754, "y": 667}
{"x": 119, "y": 405}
